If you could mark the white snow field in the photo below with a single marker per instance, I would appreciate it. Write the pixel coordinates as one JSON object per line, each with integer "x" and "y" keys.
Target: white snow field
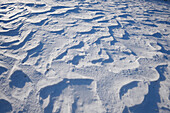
{"x": 84, "y": 56}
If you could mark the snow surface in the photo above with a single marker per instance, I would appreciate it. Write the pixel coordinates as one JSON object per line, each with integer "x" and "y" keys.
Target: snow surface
{"x": 84, "y": 56}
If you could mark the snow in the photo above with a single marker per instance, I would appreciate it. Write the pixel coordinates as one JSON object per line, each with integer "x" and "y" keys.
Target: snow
{"x": 90, "y": 56}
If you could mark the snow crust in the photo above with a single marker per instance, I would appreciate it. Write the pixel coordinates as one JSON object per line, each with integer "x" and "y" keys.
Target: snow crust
{"x": 84, "y": 56}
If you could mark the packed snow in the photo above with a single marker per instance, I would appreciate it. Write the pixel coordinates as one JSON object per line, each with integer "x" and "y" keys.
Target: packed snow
{"x": 85, "y": 56}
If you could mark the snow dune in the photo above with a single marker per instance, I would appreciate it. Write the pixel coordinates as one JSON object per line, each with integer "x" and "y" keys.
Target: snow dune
{"x": 90, "y": 56}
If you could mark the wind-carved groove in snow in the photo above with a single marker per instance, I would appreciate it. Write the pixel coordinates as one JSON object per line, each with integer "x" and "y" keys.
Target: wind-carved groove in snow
{"x": 61, "y": 55}
{"x": 12, "y": 32}
{"x": 33, "y": 52}
{"x": 124, "y": 89}
{"x": 80, "y": 45}
{"x": 9, "y": 43}
{"x": 27, "y": 36}
{"x": 94, "y": 18}
{"x": 109, "y": 60}
{"x": 76, "y": 59}
{"x": 37, "y": 21}
{"x": 63, "y": 11}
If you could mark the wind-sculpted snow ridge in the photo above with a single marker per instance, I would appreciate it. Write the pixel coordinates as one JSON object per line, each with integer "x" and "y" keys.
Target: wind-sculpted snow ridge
{"x": 90, "y": 56}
